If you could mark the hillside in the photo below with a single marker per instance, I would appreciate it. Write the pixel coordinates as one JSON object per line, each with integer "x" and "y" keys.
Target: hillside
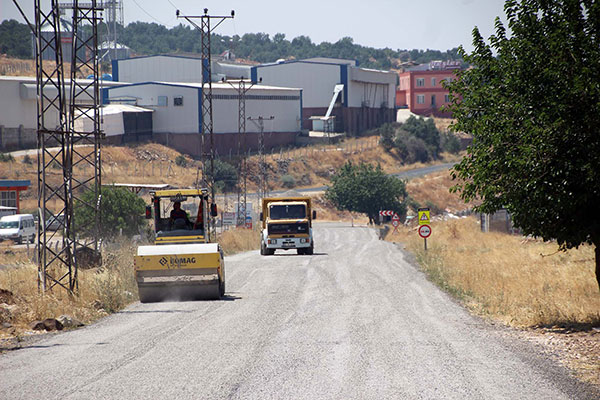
{"x": 305, "y": 167}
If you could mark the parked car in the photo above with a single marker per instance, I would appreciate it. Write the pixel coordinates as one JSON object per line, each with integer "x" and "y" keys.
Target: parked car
{"x": 55, "y": 222}
{"x": 18, "y": 228}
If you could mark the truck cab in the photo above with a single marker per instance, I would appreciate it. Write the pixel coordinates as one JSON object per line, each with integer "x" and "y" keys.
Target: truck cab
{"x": 286, "y": 225}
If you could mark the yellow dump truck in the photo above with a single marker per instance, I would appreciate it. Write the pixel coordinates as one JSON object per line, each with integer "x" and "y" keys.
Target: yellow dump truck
{"x": 287, "y": 224}
{"x": 183, "y": 263}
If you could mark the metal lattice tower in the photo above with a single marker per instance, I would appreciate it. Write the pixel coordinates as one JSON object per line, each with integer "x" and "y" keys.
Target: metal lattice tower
{"x": 242, "y": 186}
{"x": 84, "y": 127}
{"x": 55, "y": 266}
{"x": 57, "y": 261}
{"x": 207, "y": 109}
{"x": 263, "y": 186}
{"x": 113, "y": 11}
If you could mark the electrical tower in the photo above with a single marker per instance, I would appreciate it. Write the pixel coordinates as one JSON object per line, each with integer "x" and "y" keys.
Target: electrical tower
{"x": 84, "y": 128}
{"x": 113, "y": 11}
{"x": 263, "y": 186}
{"x": 242, "y": 191}
{"x": 56, "y": 119}
{"x": 207, "y": 109}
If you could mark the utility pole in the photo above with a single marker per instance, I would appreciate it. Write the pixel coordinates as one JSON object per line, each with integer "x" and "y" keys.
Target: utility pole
{"x": 263, "y": 187}
{"x": 242, "y": 191}
{"x": 207, "y": 109}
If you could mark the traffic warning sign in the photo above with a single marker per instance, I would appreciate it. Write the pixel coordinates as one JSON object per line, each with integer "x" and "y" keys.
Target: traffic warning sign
{"x": 424, "y": 216}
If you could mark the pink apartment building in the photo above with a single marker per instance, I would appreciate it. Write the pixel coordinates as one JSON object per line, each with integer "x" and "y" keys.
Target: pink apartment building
{"x": 420, "y": 89}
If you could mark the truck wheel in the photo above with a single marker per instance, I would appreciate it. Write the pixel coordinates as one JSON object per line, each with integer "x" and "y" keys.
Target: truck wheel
{"x": 269, "y": 252}
{"x": 310, "y": 250}
{"x": 262, "y": 249}
{"x": 301, "y": 252}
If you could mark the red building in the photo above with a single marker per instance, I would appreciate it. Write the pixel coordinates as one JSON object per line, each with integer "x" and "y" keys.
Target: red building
{"x": 10, "y": 192}
{"x": 420, "y": 88}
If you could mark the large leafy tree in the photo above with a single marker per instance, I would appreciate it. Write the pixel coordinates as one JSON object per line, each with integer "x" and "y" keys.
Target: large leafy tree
{"x": 121, "y": 210}
{"x": 365, "y": 188}
{"x": 532, "y": 103}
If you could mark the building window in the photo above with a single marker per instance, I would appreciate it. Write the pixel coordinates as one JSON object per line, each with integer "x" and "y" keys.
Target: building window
{"x": 178, "y": 101}
{"x": 433, "y": 103}
{"x": 8, "y": 198}
{"x": 447, "y": 98}
{"x": 163, "y": 101}
{"x": 420, "y": 82}
{"x": 420, "y": 99}
{"x": 432, "y": 81}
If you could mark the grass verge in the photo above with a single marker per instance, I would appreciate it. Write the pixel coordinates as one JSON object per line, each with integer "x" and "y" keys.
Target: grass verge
{"x": 520, "y": 281}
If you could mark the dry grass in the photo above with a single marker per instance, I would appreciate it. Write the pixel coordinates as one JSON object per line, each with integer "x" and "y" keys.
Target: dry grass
{"x": 21, "y": 67}
{"x": 522, "y": 282}
{"x": 433, "y": 189}
{"x": 239, "y": 240}
{"x": 101, "y": 291}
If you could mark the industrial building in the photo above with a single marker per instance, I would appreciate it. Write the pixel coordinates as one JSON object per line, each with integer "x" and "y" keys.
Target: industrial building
{"x": 177, "y": 113}
{"x": 18, "y": 111}
{"x": 358, "y": 98}
{"x": 168, "y": 68}
{"x": 421, "y": 88}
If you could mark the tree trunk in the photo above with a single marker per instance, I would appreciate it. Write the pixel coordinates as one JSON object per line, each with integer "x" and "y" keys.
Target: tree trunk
{"x": 597, "y": 250}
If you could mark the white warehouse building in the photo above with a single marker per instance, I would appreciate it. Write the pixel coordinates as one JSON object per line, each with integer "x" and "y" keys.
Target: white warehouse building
{"x": 18, "y": 110}
{"x": 177, "y": 113}
{"x": 169, "y": 68}
{"x": 359, "y": 98}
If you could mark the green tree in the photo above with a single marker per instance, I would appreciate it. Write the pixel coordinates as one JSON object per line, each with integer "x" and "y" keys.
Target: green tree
{"x": 225, "y": 176}
{"x": 120, "y": 209}
{"x": 532, "y": 103}
{"x": 15, "y": 39}
{"x": 365, "y": 188}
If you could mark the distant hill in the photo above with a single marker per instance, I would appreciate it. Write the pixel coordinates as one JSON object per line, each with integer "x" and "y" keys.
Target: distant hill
{"x": 151, "y": 38}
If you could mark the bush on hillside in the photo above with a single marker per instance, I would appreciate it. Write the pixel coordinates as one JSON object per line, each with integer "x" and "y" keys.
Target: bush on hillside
{"x": 416, "y": 140}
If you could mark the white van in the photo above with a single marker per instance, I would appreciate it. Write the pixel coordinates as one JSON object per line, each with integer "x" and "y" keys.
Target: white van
{"x": 17, "y": 228}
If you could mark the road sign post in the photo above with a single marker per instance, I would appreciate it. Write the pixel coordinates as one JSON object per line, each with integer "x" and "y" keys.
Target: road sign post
{"x": 395, "y": 221}
{"x": 425, "y": 232}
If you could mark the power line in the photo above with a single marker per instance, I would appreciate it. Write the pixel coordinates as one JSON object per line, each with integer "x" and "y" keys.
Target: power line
{"x": 150, "y": 15}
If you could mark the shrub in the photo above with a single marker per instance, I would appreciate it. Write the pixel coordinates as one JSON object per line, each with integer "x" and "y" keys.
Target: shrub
{"x": 181, "y": 161}
{"x": 450, "y": 143}
{"x": 27, "y": 159}
{"x": 6, "y": 157}
{"x": 288, "y": 181}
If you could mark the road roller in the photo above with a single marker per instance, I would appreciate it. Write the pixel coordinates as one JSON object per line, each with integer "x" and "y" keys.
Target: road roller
{"x": 185, "y": 262}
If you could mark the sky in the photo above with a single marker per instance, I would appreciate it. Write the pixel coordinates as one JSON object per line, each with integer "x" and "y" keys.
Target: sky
{"x": 397, "y": 24}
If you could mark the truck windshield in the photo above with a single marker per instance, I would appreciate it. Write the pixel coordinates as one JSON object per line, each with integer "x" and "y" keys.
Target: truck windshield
{"x": 292, "y": 211}
{"x": 9, "y": 224}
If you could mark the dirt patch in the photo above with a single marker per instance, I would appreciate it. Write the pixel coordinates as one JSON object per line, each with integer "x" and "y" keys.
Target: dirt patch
{"x": 576, "y": 347}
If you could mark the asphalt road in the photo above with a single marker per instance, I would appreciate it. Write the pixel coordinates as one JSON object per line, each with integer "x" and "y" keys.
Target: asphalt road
{"x": 354, "y": 321}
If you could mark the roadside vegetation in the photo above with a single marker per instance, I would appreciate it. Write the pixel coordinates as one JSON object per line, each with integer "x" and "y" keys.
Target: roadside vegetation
{"x": 536, "y": 147}
{"x": 365, "y": 188}
{"x": 417, "y": 140}
{"x": 520, "y": 281}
